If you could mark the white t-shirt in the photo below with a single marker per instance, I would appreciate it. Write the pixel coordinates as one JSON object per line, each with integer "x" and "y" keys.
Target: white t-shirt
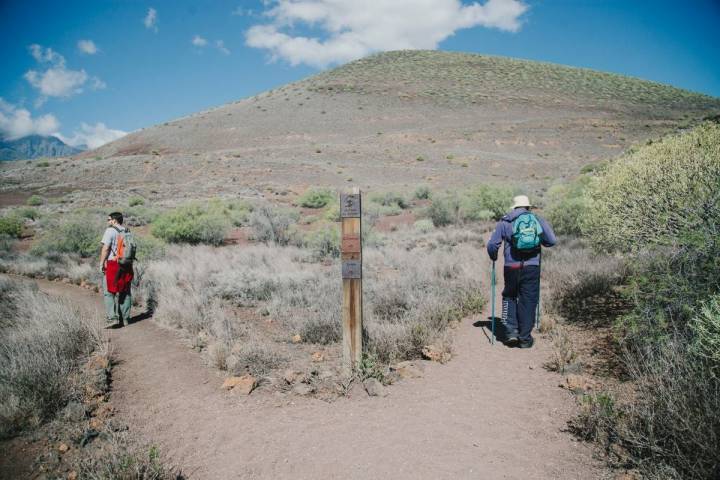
{"x": 110, "y": 238}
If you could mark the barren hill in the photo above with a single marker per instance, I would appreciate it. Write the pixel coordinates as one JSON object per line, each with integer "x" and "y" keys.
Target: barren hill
{"x": 390, "y": 120}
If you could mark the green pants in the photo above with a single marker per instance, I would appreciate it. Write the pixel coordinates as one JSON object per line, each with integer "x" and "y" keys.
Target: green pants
{"x": 117, "y": 305}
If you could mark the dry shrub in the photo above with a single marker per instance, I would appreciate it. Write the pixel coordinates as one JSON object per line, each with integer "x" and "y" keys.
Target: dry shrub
{"x": 122, "y": 459}
{"x": 563, "y": 353}
{"x": 411, "y": 297}
{"x": 572, "y": 274}
{"x": 255, "y": 357}
{"x": 41, "y": 343}
{"x": 272, "y": 225}
{"x": 675, "y": 420}
{"x": 597, "y": 418}
{"x": 195, "y": 289}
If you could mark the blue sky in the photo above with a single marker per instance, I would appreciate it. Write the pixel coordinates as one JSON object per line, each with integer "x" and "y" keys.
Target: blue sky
{"x": 146, "y": 62}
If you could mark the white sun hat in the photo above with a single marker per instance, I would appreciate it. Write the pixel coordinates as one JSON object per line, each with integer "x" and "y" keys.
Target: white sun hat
{"x": 521, "y": 201}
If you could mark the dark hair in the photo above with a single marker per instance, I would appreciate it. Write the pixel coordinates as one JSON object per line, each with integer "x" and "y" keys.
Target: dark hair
{"x": 117, "y": 216}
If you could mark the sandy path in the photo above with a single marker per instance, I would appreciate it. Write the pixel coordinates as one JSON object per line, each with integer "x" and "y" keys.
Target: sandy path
{"x": 491, "y": 413}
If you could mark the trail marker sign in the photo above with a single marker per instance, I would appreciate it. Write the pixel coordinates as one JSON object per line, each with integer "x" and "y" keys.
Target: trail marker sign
{"x": 351, "y": 258}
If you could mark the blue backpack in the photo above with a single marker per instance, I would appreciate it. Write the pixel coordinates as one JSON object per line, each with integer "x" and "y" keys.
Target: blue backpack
{"x": 526, "y": 232}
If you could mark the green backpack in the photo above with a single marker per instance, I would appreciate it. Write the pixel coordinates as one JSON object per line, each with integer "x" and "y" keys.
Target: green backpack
{"x": 126, "y": 247}
{"x": 526, "y": 232}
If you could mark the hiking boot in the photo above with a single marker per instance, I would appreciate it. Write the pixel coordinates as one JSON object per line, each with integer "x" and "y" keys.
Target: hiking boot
{"x": 511, "y": 338}
{"x": 527, "y": 343}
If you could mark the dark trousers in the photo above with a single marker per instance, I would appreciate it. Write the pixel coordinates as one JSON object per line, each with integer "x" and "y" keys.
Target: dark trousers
{"x": 520, "y": 299}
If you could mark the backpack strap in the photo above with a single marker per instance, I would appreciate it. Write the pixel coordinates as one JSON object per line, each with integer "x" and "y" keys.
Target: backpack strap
{"x": 119, "y": 231}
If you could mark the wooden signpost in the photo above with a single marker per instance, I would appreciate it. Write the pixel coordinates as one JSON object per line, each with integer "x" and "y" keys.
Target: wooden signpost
{"x": 351, "y": 256}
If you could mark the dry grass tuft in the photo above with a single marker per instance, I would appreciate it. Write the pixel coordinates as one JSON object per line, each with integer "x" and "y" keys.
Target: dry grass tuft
{"x": 224, "y": 298}
{"x": 42, "y": 341}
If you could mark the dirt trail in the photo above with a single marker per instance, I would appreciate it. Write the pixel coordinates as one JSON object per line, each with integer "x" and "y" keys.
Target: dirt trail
{"x": 490, "y": 413}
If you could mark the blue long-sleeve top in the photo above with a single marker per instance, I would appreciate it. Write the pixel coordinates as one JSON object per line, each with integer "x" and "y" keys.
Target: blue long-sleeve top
{"x": 503, "y": 234}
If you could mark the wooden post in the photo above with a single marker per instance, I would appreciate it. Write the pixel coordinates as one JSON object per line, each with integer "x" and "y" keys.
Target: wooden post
{"x": 351, "y": 256}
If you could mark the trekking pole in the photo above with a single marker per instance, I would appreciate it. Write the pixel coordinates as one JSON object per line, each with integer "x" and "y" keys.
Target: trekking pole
{"x": 537, "y": 312}
{"x": 492, "y": 302}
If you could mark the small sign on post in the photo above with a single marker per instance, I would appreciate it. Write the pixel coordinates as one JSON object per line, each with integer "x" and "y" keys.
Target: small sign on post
{"x": 351, "y": 257}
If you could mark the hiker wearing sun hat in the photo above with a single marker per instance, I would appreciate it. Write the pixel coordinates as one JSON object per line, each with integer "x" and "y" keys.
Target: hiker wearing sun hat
{"x": 523, "y": 234}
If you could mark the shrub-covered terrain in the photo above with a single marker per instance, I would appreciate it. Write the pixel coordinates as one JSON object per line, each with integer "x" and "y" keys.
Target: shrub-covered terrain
{"x": 42, "y": 342}
{"x": 413, "y": 292}
{"x": 655, "y": 210}
{"x": 460, "y": 78}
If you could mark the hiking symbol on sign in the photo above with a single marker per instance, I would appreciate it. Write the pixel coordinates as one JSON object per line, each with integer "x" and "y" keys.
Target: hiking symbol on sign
{"x": 350, "y": 205}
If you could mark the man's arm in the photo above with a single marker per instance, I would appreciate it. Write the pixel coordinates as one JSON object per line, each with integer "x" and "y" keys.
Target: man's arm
{"x": 104, "y": 253}
{"x": 548, "y": 236}
{"x": 495, "y": 241}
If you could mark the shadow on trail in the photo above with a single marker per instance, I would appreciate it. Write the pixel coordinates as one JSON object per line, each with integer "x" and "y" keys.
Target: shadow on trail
{"x": 486, "y": 325}
{"x": 142, "y": 316}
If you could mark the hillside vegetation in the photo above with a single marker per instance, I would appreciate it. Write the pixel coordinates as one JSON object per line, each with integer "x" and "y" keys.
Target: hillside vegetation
{"x": 457, "y": 79}
{"x": 656, "y": 211}
{"x": 389, "y": 121}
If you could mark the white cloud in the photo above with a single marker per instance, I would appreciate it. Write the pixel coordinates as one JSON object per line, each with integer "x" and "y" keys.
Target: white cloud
{"x": 57, "y": 80}
{"x": 88, "y": 47}
{"x": 240, "y": 11}
{"x": 93, "y": 136}
{"x": 199, "y": 41}
{"x": 46, "y": 55}
{"x": 18, "y": 122}
{"x": 97, "y": 84}
{"x": 220, "y": 45}
{"x": 352, "y": 29}
{"x": 150, "y": 20}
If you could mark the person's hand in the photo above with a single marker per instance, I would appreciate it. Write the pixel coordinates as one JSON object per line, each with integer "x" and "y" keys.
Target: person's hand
{"x": 102, "y": 267}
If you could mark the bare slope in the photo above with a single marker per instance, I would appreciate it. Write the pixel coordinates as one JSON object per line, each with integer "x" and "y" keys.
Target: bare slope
{"x": 391, "y": 120}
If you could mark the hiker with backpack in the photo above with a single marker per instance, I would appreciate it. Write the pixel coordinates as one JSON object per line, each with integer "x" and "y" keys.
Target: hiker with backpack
{"x": 116, "y": 260}
{"x": 523, "y": 234}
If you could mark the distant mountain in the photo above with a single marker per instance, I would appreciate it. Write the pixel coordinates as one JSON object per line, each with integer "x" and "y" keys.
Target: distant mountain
{"x": 34, "y": 146}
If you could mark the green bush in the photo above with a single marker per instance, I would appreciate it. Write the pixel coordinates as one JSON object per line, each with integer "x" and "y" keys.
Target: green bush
{"x": 35, "y": 200}
{"x": 136, "y": 201}
{"x": 424, "y": 225}
{"x": 11, "y": 225}
{"x": 422, "y": 192}
{"x": 7, "y": 245}
{"x": 444, "y": 210}
{"x": 480, "y": 200}
{"x": 26, "y": 212}
{"x": 389, "y": 199}
{"x": 662, "y": 204}
{"x": 149, "y": 248}
{"x": 325, "y": 241}
{"x": 316, "y": 198}
{"x": 193, "y": 223}
{"x": 238, "y": 211}
{"x": 670, "y": 283}
{"x": 78, "y": 234}
{"x": 706, "y": 333}
{"x": 332, "y": 214}
{"x": 650, "y": 195}
{"x": 567, "y": 205}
